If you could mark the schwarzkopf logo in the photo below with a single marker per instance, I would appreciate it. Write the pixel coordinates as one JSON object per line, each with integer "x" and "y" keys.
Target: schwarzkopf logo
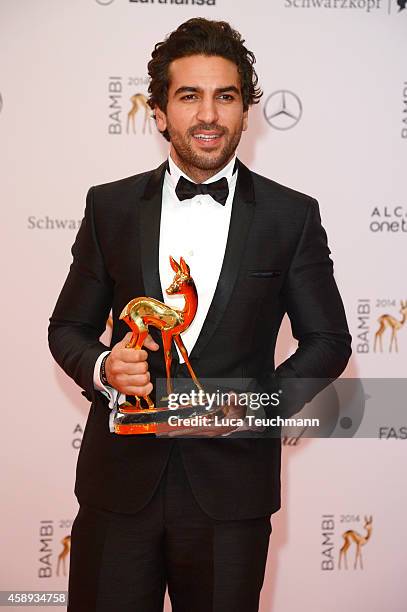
{"x": 52, "y": 223}
{"x": 104, "y": 2}
{"x": 283, "y": 109}
{"x": 361, "y": 5}
{"x": 1, "y": 103}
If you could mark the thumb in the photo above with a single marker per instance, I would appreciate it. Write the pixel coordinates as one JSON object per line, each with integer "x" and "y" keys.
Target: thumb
{"x": 150, "y": 343}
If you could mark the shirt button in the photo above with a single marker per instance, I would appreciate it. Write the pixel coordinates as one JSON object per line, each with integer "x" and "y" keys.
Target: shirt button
{"x": 198, "y": 202}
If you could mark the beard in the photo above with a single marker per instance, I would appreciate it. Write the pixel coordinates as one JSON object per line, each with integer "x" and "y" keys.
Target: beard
{"x": 205, "y": 160}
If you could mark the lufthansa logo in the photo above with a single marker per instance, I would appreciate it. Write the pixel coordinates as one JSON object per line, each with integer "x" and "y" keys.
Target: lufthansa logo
{"x": 104, "y": 2}
{"x": 283, "y": 109}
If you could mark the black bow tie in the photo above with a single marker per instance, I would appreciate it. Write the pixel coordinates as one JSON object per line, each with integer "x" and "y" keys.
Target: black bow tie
{"x": 219, "y": 190}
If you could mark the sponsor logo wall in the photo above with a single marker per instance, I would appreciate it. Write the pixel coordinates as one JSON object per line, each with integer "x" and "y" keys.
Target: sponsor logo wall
{"x": 332, "y": 123}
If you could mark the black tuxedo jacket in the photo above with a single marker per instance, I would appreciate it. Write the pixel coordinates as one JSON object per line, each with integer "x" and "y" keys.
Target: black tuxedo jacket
{"x": 276, "y": 261}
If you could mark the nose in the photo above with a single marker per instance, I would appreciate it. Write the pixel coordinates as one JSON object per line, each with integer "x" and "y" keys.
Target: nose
{"x": 207, "y": 110}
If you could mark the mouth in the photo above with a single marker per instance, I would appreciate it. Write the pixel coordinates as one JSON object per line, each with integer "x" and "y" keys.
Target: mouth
{"x": 207, "y": 139}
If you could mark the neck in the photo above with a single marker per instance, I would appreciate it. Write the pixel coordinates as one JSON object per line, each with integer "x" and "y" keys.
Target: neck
{"x": 198, "y": 175}
{"x": 368, "y": 530}
{"x": 191, "y": 302}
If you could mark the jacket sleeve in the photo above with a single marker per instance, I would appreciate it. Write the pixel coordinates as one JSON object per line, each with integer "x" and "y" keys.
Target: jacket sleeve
{"x": 79, "y": 317}
{"x": 318, "y": 321}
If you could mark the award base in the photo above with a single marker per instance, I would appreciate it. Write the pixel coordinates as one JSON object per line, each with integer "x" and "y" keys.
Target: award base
{"x": 127, "y": 420}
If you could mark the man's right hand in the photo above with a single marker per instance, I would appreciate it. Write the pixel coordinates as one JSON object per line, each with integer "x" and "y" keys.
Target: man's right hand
{"x": 127, "y": 368}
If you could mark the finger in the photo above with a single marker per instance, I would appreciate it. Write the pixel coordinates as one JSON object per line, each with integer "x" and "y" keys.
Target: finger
{"x": 150, "y": 343}
{"x": 126, "y": 380}
{"x": 129, "y": 368}
{"x": 132, "y": 355}
{"x": 139, "y": 390}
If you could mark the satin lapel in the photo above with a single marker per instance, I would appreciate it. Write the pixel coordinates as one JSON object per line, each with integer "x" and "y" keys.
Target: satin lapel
{"x": 240, "y": 222}
{"x": 150, "y": 216}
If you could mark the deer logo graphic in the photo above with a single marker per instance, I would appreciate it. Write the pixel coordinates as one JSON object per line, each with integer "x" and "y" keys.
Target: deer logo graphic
{"x": 66, "y": 544}
{"x": 394, "y": 324}
{"x": 359, "y": 540}
{"x": 144, "y": 311}
{"x": 139, "y": 102}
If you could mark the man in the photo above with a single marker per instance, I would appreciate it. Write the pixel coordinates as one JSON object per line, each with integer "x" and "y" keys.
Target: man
{"x": 193, "y": 514}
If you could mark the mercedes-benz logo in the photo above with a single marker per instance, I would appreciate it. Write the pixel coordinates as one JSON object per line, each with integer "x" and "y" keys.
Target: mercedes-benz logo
{"x": 104, "y": 2}
{"x": 283, "y": 109}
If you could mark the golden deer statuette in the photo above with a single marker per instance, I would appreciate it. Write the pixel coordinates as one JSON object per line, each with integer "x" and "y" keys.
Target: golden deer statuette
{"x": 142, "y": 312}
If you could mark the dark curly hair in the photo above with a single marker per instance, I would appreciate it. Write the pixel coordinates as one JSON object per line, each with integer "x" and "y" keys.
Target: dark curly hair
{"x": 199, "y": 36}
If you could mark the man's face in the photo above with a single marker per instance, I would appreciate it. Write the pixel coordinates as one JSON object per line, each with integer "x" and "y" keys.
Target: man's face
{"x": 204, "y": 115}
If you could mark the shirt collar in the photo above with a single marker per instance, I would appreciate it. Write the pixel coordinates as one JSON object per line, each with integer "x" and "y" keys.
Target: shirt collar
{"x": 175, "y": 172}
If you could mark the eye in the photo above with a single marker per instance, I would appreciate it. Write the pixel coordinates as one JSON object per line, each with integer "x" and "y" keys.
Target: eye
{"x": 226, "y": 97}
{"x": 189, "y": 97}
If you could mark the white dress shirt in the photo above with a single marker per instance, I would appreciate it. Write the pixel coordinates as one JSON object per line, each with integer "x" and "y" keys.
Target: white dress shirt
{"x": 196, "y": 229}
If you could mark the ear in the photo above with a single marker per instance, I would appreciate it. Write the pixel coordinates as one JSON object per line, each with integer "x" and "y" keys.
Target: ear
{"x": 245, "y": 120}
{"x": 184, "y": 266}
{"x": 174, "y": 264}
{"x": 160, "y": 119}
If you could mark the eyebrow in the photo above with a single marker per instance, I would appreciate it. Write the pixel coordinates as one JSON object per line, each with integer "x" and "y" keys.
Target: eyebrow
{"x": 186, "y": 89}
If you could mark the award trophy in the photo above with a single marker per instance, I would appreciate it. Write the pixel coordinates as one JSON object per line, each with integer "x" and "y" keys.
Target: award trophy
{"x": 139, "y": 314}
